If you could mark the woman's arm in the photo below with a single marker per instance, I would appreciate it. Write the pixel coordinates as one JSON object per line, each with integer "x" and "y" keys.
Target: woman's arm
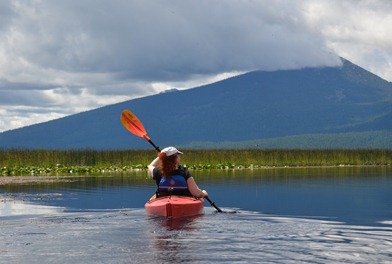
{"x": 152, "y": 165}
{"x": 194, "y": 189}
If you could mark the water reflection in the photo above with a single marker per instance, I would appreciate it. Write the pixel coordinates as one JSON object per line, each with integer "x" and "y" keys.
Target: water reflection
{"x": 355, "y": 195}
{"x": 127, "y": 236}
{"x": 168, "y": 241}
{"x": 18, "y": 208}
{"x": 177, "y": 224}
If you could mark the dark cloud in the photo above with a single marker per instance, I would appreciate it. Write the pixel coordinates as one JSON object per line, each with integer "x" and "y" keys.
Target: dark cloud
{"x": 7, "y": 14}
{"x": 169, "y": 40}
{"x": 80, "y": 55}
{"x": 31, "y": 98}
{"x": 7, "y": 85}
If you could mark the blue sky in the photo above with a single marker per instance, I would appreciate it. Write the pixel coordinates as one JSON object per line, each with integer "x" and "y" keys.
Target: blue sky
{"x": 59, "y": 57}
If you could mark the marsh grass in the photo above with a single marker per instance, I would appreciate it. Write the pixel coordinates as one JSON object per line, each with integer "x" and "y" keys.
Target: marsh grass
{"x": 285, "y": 158}
{"x": 54, "y": 162}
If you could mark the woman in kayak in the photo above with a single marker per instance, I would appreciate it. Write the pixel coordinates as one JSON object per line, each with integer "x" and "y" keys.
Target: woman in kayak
{"x": 172, "y": 178}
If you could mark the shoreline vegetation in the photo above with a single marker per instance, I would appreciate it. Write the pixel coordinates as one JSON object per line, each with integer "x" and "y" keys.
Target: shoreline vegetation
{"x": 83, "y": 162}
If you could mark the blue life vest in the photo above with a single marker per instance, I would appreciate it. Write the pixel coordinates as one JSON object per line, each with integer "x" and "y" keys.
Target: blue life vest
{"x": 173, "y": 184}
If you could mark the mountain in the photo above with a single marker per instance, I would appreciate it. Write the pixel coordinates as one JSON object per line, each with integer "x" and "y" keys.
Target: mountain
{"x": 325, "y": 107}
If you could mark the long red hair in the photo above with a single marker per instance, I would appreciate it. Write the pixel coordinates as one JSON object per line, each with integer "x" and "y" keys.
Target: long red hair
{"x": 168, "y": 163}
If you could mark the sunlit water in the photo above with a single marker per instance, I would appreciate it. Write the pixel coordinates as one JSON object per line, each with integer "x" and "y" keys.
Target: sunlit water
{"x": 281, "y": 217}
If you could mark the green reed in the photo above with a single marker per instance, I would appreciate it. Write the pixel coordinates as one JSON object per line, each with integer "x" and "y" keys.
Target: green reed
{"x": 281, "y": 158}
{"x": 52, "y": 162}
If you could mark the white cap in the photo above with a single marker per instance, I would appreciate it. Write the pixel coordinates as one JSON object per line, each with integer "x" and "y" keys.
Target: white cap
{"x": 170, "y": 151}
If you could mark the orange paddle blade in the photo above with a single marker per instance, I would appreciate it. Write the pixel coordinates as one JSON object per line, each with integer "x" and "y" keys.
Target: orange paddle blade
{"x": 133, "y": 124}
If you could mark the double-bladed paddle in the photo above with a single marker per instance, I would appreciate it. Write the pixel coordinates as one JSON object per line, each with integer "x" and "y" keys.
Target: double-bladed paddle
{"x": 133, "y": 125}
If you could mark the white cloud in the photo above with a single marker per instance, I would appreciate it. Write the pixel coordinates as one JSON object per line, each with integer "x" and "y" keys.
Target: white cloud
{"x": 63, "y": 57}
{"x": 359, "y": 31}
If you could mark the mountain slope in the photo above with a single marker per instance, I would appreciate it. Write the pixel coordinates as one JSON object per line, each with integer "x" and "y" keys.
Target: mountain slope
{"x": 252, "y": 106}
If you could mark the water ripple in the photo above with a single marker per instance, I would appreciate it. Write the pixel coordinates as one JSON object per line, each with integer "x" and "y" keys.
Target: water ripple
{"x": 129, "y": 236}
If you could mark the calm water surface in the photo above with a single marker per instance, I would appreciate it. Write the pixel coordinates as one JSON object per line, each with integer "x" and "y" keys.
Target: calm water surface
{"x": 336, "y": 215}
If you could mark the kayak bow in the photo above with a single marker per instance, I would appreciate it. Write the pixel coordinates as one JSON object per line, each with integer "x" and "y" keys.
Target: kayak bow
{"x": 174, "y": 206}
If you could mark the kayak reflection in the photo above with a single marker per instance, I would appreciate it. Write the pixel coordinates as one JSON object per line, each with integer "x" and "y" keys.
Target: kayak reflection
{"x": 173, "y": 240}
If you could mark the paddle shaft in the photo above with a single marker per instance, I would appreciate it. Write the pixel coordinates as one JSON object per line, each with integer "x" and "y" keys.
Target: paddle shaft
{"x": 213, "y": 204}
{"x": 152, "y": 143}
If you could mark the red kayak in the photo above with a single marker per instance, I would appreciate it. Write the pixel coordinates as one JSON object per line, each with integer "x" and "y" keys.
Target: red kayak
{"x": 174, "y": 206}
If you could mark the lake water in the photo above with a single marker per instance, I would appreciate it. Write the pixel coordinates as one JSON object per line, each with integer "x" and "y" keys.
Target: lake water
{"x": 323, "y": 215}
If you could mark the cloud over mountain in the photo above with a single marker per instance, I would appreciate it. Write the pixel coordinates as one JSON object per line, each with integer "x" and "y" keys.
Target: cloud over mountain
{"x": 61, "y": 57}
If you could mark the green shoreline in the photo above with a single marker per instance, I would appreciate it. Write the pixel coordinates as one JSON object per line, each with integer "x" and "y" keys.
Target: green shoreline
{"x": 72, "y": 162}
